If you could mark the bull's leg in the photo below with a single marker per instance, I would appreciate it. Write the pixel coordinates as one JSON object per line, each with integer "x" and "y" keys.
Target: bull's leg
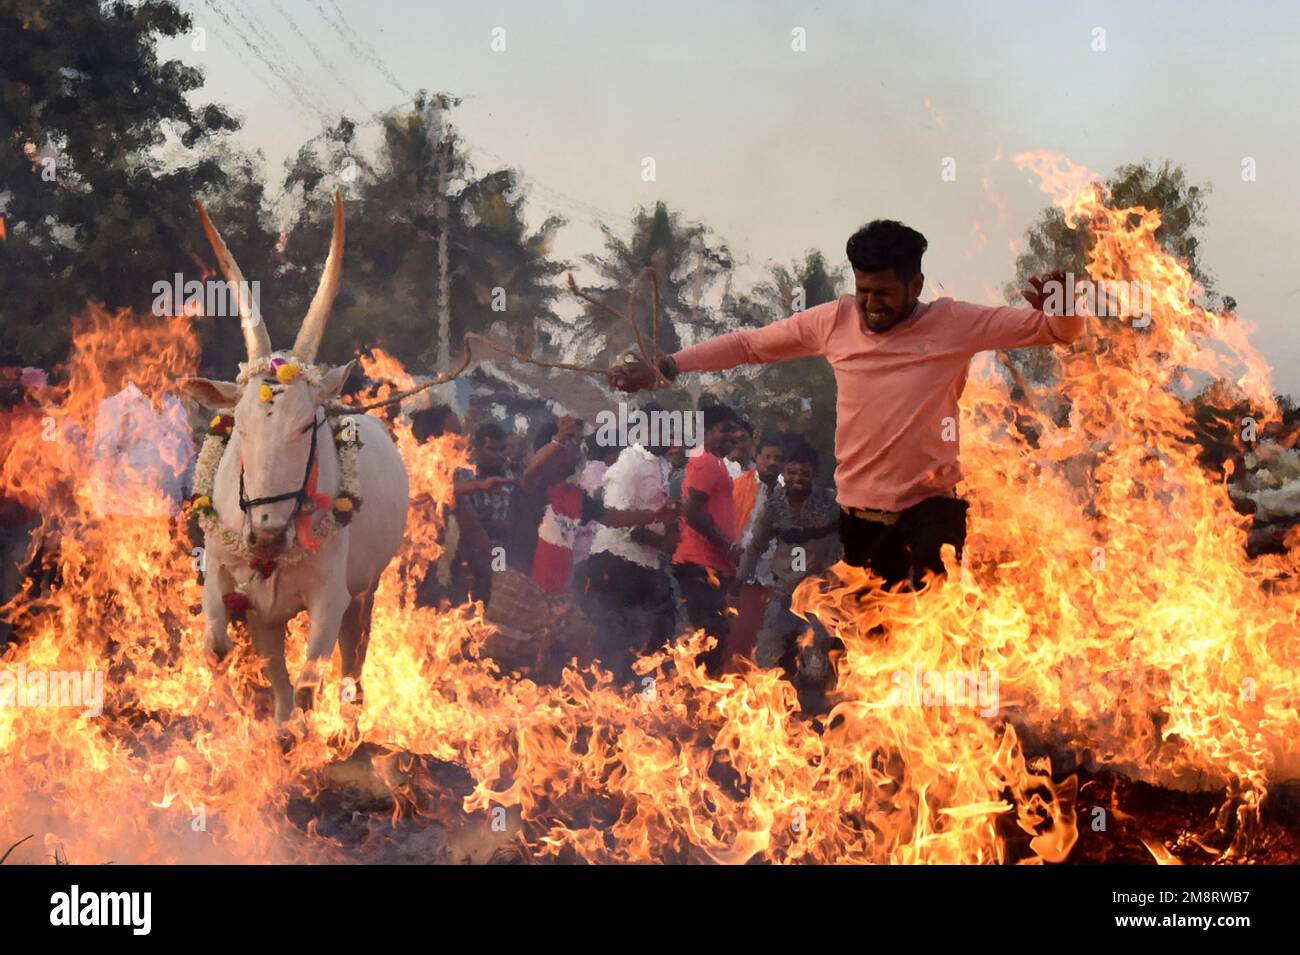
{"x": 326, "y": 611}
{"x": 269, "y": 644}
{"x": 354, "y": 638}
{"x": 216, "y": 619}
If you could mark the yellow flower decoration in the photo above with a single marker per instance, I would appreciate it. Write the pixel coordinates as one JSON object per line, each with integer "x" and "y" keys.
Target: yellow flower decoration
{"x": 343, "y": 504}
{"x": 202, "y": 502}
{"x": 287, "y": 373}
{"x": 215, "y": 423}
{"x": 266, "y": 393}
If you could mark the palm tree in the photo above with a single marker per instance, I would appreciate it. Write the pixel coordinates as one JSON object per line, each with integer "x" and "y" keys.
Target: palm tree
{"x": 433, "y": 251}
{"x": 687, "y": 259}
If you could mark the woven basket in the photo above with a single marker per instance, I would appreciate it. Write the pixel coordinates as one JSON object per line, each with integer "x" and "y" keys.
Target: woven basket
{"x": 535, "y": 628}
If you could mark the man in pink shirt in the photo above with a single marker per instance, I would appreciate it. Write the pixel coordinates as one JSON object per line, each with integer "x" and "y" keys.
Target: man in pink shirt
{"x": 900, "y": 366}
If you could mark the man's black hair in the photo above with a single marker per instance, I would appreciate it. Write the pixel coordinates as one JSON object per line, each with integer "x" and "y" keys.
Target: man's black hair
{"x": 666, "y": 432}
{"x": 716, "y": 414}
{"x": 885, "y": 244}
{"x": 799, "y": 451}
{"x": 430, "y": 422}
{"x": 743, "y": 425}
{"x": 772, "y": 439}
{"x": 488, "y": 431}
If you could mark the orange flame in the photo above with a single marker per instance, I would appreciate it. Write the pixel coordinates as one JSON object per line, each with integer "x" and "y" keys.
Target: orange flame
{"x": 1105, "y": 613}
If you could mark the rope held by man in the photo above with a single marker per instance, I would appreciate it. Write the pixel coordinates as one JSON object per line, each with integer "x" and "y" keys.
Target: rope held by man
{"x": 650, "y": 355}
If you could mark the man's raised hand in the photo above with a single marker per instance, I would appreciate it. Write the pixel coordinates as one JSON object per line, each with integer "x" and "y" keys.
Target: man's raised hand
{"x": 568, "y": 427}
{"x": 1043, "y": 288}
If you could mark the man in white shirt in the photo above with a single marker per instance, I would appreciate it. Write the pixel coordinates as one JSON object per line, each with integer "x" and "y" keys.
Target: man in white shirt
{"x": 599, "y": 458}
{"x": 627, "y": 587}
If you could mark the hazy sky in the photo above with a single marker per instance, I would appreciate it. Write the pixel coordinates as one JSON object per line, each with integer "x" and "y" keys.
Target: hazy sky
{"x": 781, "y": 151}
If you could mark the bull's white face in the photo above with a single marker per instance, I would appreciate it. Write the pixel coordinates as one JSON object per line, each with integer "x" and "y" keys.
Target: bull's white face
{"x": 274, "y": 444}
{"x": 273, "y": 440}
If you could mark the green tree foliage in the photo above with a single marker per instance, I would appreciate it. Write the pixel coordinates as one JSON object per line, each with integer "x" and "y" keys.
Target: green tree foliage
{"x": 101, "y": 156}
{"x": 1217, "y": 408}
{"x": 397, "y": 214}
{"x": 1051, "y": 245}
{"x": 688, "y": 260}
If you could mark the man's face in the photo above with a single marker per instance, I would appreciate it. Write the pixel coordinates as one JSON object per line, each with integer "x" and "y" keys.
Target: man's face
{"x": 742, "y": 445}
{"x": 490, "y": 455}
{"x": 516, "y": 448}
{"x": 717, "y": 440}
{"x": 884, "y": 299}
{"x": 676, "y": 455}
{"x": 798, "y": 478}
{"x": 769, "y": 463}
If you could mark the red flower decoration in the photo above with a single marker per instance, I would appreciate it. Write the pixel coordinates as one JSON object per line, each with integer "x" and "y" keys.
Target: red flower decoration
{"x": 264, "y": 567}
{"x": 236, "y": 605}
{"x": 223, "y": 425}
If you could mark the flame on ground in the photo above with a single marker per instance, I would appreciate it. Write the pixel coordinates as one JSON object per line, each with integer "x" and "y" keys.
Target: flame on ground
{"x": 1105, "y": 595}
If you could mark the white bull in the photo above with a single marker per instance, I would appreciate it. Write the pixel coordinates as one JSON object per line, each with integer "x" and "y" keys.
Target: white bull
{"x": 271, "y": 498}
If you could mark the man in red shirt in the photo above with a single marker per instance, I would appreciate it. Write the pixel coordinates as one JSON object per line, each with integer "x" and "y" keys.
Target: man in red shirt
{"x": 900, "y": 367}
{"x": 705, "y": 559}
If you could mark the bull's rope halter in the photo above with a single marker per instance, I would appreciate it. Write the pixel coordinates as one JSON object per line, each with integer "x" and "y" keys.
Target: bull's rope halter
{"x": 339, "y": 509}
{"x": 299, "y": 496}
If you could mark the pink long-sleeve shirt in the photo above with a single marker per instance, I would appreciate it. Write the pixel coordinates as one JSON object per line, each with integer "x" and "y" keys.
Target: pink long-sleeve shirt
{"x": 896, "y": 410}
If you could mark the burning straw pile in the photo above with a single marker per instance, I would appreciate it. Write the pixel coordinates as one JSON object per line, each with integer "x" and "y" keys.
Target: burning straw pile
{"x": 1107, "y": 597}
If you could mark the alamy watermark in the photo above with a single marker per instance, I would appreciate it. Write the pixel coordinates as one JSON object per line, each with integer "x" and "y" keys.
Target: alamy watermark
{"x": 1105, "y": 299}
{"x": 213, "y": 298}
{"x": 650, "y": 429}
{"x": 977, "y": 689}
{"x": 130, "y": 909}
{"x": 81, "y": 689}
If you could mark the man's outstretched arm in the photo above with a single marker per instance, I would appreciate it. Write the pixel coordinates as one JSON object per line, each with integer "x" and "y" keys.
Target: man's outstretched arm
{"x": 993, "y": 327}
{"x": 798, "y": 336}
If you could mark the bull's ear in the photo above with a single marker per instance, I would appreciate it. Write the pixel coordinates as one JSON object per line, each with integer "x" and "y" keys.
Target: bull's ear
{"x": 332, "y": 382}
{"x": 217, "y": 395}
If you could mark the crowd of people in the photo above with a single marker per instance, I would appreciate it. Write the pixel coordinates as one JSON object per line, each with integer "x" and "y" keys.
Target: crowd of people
{"x": 648, "y": 540}
{"x": 727, "y": 530}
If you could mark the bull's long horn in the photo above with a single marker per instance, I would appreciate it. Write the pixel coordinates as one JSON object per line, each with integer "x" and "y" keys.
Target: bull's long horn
{"x": 256, "y": 339}
{"x": 312, "y": 331}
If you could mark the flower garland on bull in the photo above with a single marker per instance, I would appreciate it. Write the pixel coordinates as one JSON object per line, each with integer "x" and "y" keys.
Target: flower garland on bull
{"x": 338, "y": 510}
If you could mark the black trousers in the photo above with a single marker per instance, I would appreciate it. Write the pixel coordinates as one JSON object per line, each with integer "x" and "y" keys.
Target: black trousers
{"x": 706, "y": 608}
{"x": 903, "y": 551}
{"x": 633, "y": 605}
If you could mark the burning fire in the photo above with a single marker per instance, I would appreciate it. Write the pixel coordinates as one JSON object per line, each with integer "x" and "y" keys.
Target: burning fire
{"x": 1106, "y": 595}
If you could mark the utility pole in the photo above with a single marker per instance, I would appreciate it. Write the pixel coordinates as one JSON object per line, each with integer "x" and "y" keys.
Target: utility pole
{"x": 444, "y": 270}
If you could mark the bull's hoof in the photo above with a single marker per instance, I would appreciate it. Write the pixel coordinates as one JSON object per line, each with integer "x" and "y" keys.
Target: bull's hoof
{"x": 304, "y": 697}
